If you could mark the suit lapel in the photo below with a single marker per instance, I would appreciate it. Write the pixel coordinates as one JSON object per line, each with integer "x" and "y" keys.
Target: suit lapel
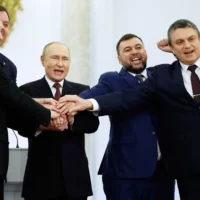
{"x": 43, "y": 89}
{"x": 68, "y": 88}
{"x": 129, "y": 79}
{"x": 178, "y": 81}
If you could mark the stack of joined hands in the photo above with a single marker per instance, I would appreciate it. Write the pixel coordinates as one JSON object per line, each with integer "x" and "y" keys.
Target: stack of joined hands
{"x": 61, "y": 115}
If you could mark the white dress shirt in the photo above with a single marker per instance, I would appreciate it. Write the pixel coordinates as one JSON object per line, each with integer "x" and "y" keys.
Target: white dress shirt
{"x": 186, "y": 74}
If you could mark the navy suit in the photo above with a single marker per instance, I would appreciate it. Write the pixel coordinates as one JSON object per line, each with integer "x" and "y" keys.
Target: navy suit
{"x": 131, "y": 152}
{"x": 178, "y": 127}
{"x": 57, "y": 160}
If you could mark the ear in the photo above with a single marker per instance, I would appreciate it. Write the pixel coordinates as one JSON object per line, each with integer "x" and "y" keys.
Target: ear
{"x": 119, "y": 60}
{"x": 42, "y": 60}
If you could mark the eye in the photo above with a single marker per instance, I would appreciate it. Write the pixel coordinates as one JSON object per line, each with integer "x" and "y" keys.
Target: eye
{"x": 53, "y": 57}
{"x": 191, "y": 39}
{"x": 179, "y": 42}
{"x": 138, "y": 47}
{"x": 6, "y": 25}
{"x": 127, "y": 50}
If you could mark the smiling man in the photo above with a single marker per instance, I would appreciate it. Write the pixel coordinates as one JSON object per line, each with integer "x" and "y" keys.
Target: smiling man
{"x": 57, "y": 166}
{"x": 132, "y": 167}
{"x": 174, "y": 91}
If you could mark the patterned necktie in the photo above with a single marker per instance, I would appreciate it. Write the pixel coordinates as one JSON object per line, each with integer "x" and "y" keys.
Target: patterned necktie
{"x": 195, "y": 83}
{"x": 57, "y": 94}
{"x": 140, "y": 78}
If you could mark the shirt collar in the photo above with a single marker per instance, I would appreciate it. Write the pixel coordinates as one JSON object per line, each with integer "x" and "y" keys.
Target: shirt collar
{"x": 144, "y": 73}
{"x": 51, "y": 83}
{"x": 184, "y": 67}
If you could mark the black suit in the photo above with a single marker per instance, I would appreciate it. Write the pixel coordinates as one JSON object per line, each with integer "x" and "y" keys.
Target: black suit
{"x": 57, "y": 160}
{"x": 23, "y": 109}
{"x": 179, "y": 122}
{"x": 9, "y": 67}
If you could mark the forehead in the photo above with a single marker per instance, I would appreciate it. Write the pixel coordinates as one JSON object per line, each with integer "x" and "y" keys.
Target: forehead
{"x": 4, "y": 16}
{"x": 131, "y": 42}
{"x": 57, "y": 49}
{"x": 183, "y": 33}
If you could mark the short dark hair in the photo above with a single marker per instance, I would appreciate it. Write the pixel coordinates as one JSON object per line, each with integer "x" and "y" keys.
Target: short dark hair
{"x": 124, "y": 38}
{"x": 3, "y": 9}
{"x": 181, "y": 23}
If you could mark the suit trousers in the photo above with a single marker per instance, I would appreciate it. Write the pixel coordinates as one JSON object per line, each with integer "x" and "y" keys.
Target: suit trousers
{"x": 158, "y": 187}
{"x": 189, "y": 187}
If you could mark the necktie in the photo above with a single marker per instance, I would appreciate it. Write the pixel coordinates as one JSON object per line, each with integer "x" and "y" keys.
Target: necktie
{"x": 195, "y": 83}
{"x": 57, "y": 95}
{"x": 140, "y": 78}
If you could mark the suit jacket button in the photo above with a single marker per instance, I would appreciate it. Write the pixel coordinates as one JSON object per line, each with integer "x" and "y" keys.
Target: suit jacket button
{"x": 153, "y": 132}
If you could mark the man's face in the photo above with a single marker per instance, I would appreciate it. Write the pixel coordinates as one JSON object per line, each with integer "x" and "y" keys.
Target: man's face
{"x": 4, "y": 31}
{"x": 132, "y": 55}
{"x": 185, "y": 44}
{"x": 56, "y": 62}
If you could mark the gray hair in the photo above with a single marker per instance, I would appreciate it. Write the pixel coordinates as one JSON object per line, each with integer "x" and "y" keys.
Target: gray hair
{"x": 181, "y": 23}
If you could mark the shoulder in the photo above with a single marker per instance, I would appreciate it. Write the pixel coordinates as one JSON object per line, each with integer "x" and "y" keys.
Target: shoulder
{"x": 164, "y": 67}
{"x": 6, "y": 60}
{"x": 109, "y": 76}
{"x": 77, "y": 85}
{"x": 31, "y": 84}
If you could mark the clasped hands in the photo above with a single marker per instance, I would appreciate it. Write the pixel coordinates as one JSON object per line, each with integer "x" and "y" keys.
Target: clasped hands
{"x": 60, "y": 117}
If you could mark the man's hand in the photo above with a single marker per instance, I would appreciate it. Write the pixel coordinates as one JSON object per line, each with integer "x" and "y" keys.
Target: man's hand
{"x": 164, "y": 45}
{"x": 64, "y": 107}
{"x": 48, "y": 103}
{"x": 54, "y": 114}
{"x": 59, "y": 121}
{"x": 80, "y": 104}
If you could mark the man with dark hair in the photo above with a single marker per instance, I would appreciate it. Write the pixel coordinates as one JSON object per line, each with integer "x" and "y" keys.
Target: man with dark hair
{"x": 132, "y": 167}
{"x": 16, "y": 108}
{"x": 173, "y": 91}
{"x": 8, "y": 66}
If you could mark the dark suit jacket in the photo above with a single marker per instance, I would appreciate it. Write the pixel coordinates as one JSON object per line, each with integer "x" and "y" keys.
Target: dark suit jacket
{"x": 132, "y": 148}
{"x": 57, "y": 158}
{"x": 179, "y": 116}
{"x": 23, "y": 109}
{"x": 9, "y": 67}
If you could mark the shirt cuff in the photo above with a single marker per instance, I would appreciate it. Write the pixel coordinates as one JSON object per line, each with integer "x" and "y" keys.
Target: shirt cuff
{"x": 95, "y": 105}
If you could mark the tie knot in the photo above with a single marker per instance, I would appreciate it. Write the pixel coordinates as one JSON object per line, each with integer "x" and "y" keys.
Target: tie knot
{"x": 192, "y": 68}
{"x": 140, "y": 78}
{"x": 57, "y": 85}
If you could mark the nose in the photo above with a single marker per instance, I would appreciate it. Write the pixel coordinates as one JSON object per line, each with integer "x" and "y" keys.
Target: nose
{"x": 134, "y": 51}
{"x": 187, "y": 44}
{"x": 60, "y": 63}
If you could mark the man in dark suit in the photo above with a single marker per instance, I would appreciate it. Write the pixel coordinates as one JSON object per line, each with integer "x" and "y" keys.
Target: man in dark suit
{"x": 57, "y": 166}
{"x": 132, "y": 166}
{"x": 11, "y": 97}
{"x": 8, "y": 66}
{"x": 174, "y": 91}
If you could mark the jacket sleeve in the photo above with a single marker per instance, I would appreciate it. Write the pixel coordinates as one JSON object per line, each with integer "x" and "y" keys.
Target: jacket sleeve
{"x": 85, "y": 122}
{"x": 10, "y": 93}
{"x": 103, "y": 87}
{"x": 145, "y": 95}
